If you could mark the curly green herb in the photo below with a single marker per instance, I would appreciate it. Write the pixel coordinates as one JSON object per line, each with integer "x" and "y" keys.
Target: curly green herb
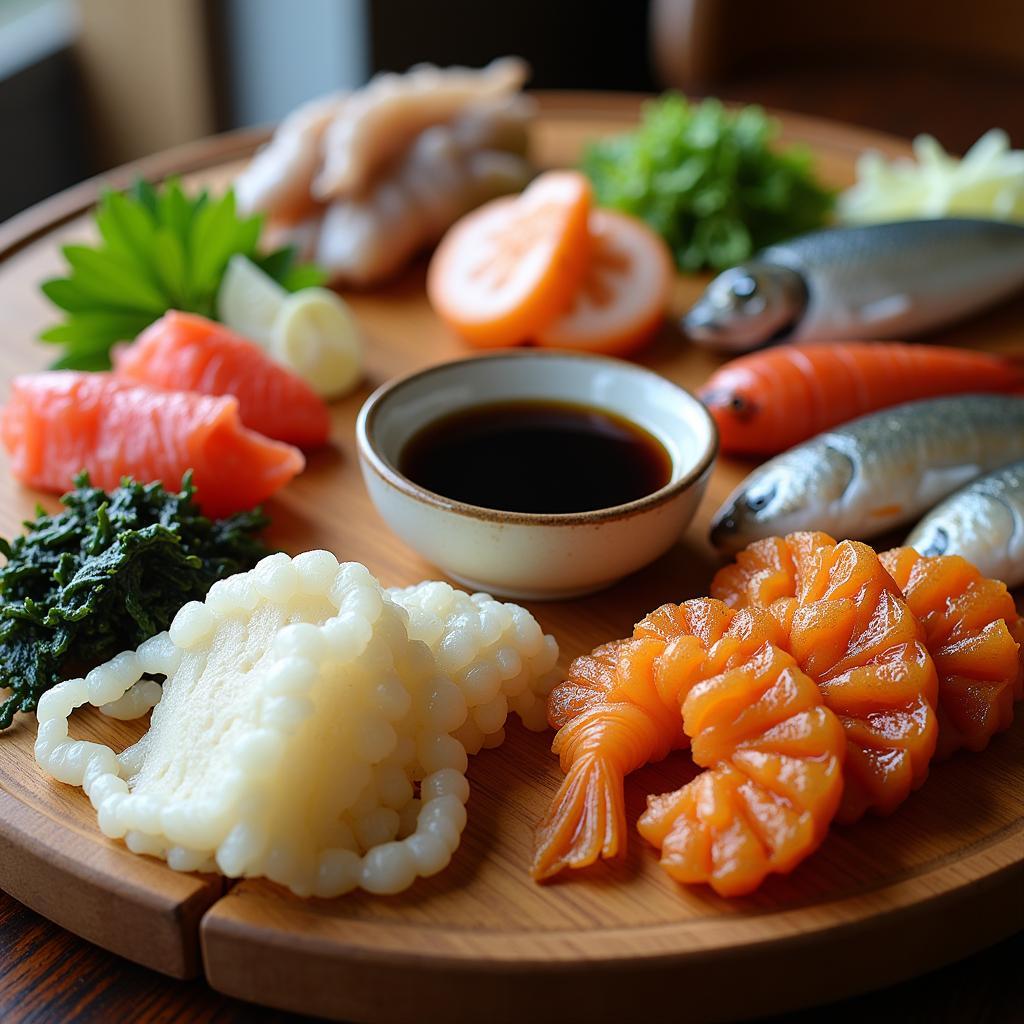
{"x": 104, "y": 574}
{"x": 709, "y": 181}
{"x": 158, "y": 250}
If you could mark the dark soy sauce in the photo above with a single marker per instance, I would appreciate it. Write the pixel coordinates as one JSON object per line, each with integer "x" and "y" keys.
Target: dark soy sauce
{"x": 536, "y": 456}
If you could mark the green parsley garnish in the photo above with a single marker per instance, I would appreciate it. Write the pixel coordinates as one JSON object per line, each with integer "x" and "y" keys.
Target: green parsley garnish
{"x": 105, "y": 574}
{"x": 158, "y": 250}
{"x": 709, "y": 181}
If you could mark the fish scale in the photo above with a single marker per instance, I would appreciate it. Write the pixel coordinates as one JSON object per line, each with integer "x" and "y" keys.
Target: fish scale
{"x": 876, "y": 472}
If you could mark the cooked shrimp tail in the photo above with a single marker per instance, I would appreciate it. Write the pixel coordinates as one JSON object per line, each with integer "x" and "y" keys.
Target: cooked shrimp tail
{"x": 587, "y": 820}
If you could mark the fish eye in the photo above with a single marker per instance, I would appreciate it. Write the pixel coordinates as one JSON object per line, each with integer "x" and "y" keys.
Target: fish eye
{"x": 756, "y": 502}
{"x": 744, "y": 287}
{"x": 741, "y": 407}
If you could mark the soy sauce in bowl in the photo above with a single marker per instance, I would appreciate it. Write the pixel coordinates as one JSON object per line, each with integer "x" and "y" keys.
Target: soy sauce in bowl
{"x": 536, "y": 456}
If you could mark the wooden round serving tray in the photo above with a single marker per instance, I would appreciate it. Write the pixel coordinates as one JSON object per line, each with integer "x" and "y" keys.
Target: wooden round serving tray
{"x": 880, "y": 901}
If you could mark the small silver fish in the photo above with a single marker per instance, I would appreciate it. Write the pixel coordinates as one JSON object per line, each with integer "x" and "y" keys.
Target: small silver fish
{"x": 876, "y": 472}
{"x": 984, "y": 522}
{"x": 875, "y": 281}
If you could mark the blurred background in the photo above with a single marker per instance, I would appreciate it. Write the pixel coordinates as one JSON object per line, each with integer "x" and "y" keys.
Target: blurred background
{"x": 88, "y": 84}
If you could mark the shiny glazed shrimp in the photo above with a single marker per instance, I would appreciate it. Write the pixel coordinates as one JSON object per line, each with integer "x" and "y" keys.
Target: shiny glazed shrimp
{"x": 757, "y": 723}
{"x": 974, "y": 633}
{"x": 851, "y": 630}
{"x": 774, "y": 699}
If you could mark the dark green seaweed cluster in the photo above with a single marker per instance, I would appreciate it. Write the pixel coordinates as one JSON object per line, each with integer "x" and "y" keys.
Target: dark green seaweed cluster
{"x": 104, "y": 574}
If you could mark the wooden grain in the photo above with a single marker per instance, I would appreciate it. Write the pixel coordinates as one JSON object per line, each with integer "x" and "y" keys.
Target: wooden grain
{"x": 48, "y": 975}
{"x": 890, "y": 897}
{"x": 879, "y": 902}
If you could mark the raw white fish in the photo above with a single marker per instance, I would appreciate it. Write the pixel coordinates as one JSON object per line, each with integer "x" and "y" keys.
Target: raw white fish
{"x": 279, "y": 179}
{"x": 415, "y": 151}
{"x": 380, "y": 120}
{"x": 444, "y": 174}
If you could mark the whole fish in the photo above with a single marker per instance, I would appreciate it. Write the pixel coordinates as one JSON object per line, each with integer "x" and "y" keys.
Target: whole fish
{"x": 875, "y": 281}
{"x": 983, "y": 522}
{"x": 876, "y": 472}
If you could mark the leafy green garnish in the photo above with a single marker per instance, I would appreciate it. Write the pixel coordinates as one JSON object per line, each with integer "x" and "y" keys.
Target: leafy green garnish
{"x": 106, "y": 573}
{"x": 709, "y": 181}
{"x": 158, "y": 250}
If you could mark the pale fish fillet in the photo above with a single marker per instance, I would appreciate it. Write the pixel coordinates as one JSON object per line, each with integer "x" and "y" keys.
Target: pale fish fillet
{"x": 379, "y": 122}
{"x": 364, "y": 240}
{"x": 279, "y": 179}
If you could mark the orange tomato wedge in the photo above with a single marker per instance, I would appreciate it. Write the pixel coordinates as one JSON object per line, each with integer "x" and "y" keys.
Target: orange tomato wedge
{"x": 509, "y": 268}
{"x": 623, "y": 297}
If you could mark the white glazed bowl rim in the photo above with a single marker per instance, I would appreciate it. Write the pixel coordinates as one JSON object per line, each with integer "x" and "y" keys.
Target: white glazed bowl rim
{"x": 384, "y": 468}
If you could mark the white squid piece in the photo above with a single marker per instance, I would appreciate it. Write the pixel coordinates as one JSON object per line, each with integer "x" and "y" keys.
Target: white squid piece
{"x": 302, "y": 709}
{"x": 496, "y": 653}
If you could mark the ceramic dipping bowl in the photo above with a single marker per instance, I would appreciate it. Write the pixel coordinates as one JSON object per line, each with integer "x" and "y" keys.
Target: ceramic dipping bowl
{"x": 526, "y": 555}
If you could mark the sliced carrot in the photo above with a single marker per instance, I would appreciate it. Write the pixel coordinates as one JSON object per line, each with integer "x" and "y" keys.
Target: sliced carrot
{"x": 623, "y": 297}
{"x": 509, "y": 268}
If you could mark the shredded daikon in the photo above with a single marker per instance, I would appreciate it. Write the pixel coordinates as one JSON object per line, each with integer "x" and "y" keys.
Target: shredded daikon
{"x": 987, "y": 182}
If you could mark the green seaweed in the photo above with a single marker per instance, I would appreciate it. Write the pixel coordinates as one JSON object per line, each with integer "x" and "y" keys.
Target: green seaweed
{"x": 709, "y": 180}
{"x": 104, "y": 574}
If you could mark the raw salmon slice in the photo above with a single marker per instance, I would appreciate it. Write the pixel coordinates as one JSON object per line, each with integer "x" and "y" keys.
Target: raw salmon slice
{"x": 850, "y": 630}
{"x": 185, "y": 352}
{"x": 971, "y": 625}
{"x": 57, "y": 424}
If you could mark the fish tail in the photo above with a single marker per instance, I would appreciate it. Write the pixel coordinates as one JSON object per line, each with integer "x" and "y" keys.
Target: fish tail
{"x": 586, "y": 820}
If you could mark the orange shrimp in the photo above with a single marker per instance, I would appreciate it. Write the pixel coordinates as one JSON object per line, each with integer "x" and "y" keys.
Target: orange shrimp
{"x": 774, "y": 755}
{"x": 763, "y": 695}
{"x": 619, "y": 709}
{"x": 769, "y": 401}
{"x": 972, "y": 630}
{"x": 854, "y": 634}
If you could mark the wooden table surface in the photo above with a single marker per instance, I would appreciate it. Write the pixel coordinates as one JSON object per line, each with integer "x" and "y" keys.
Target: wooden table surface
{"x": 48, "y": 974}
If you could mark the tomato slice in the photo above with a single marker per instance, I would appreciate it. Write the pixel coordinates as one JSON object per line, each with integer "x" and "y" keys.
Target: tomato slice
{"x": 509, "y": 268}
{"x": 623, "y": 298}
